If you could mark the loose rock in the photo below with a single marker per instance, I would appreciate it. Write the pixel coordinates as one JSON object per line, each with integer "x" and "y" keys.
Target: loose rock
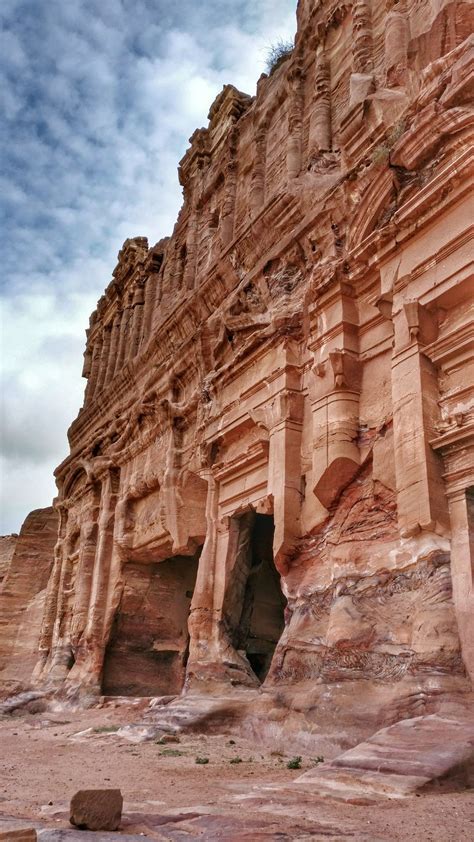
{"x": 97, "y": 809}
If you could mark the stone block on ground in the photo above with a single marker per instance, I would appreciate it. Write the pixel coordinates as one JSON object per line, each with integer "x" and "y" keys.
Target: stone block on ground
{"x": 96, "y": 809}
{"x": 27, "y": 834}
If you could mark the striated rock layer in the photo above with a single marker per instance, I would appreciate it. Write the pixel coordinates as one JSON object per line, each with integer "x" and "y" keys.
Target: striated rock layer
{"x": 28, "y": 564}
{"x": 270, "y": 482}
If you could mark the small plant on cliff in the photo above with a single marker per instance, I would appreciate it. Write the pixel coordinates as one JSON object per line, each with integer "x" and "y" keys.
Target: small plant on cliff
{"x": 202, "y": 761}
{"x": 381, "y": 152}
{"x": 277, "y": 53}
{"x": 171, "y": 752}
{"x": 294, "y": 763}
{"x": 236, "y": 760}
{"x": 318, "y": 759}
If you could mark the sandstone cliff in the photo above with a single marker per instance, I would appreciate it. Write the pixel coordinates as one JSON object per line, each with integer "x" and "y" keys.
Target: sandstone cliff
{"x": 276, "y": 438}
{"x": 22, "y": 593}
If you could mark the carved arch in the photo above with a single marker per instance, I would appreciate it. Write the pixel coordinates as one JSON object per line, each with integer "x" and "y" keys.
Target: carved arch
{"x": 76, "y": 478}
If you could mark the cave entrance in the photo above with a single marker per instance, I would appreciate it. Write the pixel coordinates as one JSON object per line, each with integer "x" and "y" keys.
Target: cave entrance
{"x": 255, "y": 605}
{"x": 148, "y": 647}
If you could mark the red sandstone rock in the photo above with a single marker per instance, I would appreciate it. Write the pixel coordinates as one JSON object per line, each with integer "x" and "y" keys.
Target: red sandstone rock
{"x": 97, "y": 809}
{"x": 7, "y": 548}
{"x": 271, "y": 477}
{"x": 22, "y": 596}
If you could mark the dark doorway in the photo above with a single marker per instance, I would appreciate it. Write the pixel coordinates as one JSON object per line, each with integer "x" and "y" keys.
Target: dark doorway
{"x": 148, "y": 647}
{"x": 255, "y": 603}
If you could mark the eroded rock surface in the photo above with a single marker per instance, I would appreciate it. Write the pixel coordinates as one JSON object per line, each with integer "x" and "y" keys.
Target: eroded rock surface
{"x": 22, "y": 595}
{"x": 270, "y": 483}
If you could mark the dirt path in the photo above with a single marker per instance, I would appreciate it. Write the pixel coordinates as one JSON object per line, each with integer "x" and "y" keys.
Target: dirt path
{"x": 43, "y": 762}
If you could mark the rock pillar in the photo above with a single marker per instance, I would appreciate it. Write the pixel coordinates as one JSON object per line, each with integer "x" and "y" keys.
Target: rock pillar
{"x": 295, "y": 123}
{"x": 461, "y": 512}
{"x": 137, "y": 320}
{"x": 230, "y": 189}
{"x": 94, "y": 368}
{"x": 320, "y": 124}
{"x": 202, "y": 616}
{"x": 189, "y": 269}
{"x": 94, "y": 634}
{"x": 114, "y": 344}
{"x": 421, "y": 496}
{"x": 148, "y": 307}
{"x": 122, "y": 353}
{"x": 104, "y": 358}
{"x": 88, "y": 546}
{"x": 362, "y": 79}
{"x": 257, "y": 190}
{"x": 284, "y": 472}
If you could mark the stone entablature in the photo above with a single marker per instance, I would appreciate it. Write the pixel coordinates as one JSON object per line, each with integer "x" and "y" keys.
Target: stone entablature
{"x": 286, "y": 376}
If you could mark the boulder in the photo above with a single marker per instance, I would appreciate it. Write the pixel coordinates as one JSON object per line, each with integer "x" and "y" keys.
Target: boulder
{"x": 96, "y": 809}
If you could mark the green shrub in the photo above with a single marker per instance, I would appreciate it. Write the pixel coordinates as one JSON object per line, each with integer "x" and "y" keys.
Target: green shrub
{"x": 236, "y": 760}
{"x": 202, "y": 761}
{"x": 294, "y": 763}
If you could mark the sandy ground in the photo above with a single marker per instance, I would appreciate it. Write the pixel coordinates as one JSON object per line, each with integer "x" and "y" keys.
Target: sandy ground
{"x": 44, "y": 762}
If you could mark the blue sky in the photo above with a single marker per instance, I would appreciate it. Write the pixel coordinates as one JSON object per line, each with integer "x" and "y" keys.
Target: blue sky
{"x": 99, "y": 98}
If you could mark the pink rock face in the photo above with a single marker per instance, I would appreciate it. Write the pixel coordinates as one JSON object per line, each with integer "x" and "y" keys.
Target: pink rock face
{"x": 271, "y": 478}
{"x": 22, "y": 595}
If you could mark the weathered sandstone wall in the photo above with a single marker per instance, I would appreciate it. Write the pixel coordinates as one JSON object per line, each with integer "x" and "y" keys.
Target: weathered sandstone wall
{"x": 22, "y": 595}
{"x": 276, "y": 436}
{"x": 7, "y": 548}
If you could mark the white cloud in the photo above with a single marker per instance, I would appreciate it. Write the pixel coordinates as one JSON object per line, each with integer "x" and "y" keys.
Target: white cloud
{"x": 100, "y": 98}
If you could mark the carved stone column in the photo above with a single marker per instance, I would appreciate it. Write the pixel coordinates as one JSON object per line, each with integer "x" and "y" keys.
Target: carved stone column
{"x": 336, "y": 423}
{"x": 362, "y": 79}
{"x": 202, "y": 618}
{"x": 284, "y": 473}
{"x": 230, "y": 192}
{"x": 94, "y": 371}
{"x": 124, "y": 339}
{"x": 104, "y": 358}
{"x": 320, "y": 123}
{"x": 461, "y": 512}
{"x": 257, "y": 189}
{"x": 148, "y": 305}
{"x": 137, "y": 319}
{"x": 114, "y": 344}
{"x": 189, "y": 269}
{"x": 362, "y": 37}
{"x": 421, "y": 499}
{"x": 95, "y": 640}
{"x": 295, "y": 122}
{"x": 88, "y": 546}
{"x": 335, "y": 391}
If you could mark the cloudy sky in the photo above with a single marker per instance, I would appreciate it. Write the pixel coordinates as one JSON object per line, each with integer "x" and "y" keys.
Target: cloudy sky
{"x": 99, "y": 99}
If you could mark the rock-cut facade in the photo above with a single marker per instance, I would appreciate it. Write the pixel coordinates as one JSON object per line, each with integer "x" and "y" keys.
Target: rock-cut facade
{"x": 270, "y": 483}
